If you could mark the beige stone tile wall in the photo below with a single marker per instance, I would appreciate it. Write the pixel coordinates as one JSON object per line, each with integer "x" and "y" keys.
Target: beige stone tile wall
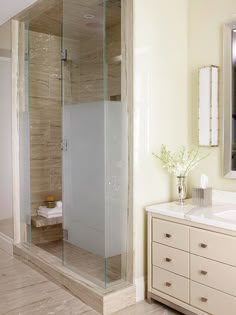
{"x": 113, "y": 51}
{"x": 86, "y": 74}
{"x": 45, "y": 118}
{"x": 83, "y": 75}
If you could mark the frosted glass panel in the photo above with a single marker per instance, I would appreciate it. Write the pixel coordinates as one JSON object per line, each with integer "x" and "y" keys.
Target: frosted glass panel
{"x": 116, "y": 172}
{"x": 95, "y": 176}
{"x": 95, "y": 187}
{"x": 84, "y": 176}
{"x": 95, "y": 137}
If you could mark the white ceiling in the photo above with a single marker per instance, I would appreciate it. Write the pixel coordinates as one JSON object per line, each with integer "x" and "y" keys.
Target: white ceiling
{"x": 10, "y": 8}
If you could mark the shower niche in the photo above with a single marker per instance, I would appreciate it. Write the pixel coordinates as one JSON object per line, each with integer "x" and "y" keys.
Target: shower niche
{"x": 73, "y": 105}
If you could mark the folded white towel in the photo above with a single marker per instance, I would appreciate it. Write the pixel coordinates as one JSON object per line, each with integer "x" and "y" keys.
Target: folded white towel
{"x": 49, "y": 216}
{"x": 49, "y": 213}
{"x": 46, "y": 210}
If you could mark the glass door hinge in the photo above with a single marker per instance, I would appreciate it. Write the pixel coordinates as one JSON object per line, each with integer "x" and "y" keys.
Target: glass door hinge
{"x": 64, "y": 145}
{"x": 64, "y": 55}
{"x": 65, "y": 235}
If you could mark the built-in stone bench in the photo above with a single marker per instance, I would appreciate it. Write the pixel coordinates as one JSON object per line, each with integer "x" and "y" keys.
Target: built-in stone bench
{"x": 45, "y": 230}
{"x": 38, "y": 221}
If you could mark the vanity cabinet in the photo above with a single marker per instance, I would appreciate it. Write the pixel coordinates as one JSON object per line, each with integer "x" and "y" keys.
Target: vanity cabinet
{"x": 191, "y": 267}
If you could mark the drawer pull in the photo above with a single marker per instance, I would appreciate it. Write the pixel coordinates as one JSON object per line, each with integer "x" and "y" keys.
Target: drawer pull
{"x": 168, "y": 284}
{"x": 203, "y": 299}
{"x": 203, "y": 272}
{"x": 168, "y": 235}
{"x": 168, "y": 259}
{"x": 203, "y": 245}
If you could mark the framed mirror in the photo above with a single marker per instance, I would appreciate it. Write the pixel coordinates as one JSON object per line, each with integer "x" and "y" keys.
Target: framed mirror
{"x": 229, "y": 100}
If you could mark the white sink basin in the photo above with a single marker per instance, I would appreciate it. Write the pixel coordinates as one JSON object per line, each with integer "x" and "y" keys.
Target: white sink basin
{"x": 227, "y": 215}
{"x": 221, "y": 215}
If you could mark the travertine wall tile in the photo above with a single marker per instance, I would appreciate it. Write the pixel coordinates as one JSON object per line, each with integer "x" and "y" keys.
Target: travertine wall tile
{"x": 45, "y": 118}
{"x": 45, "y": 163}
{"x": 56, "y": 181}
{"x": 45, "y": 109}
{"x": 55, "y": 131}
{"x": 47, "y": 234}
{"x": 40, "y": 180}
{"x": 83, "y": 81}
{"x": 39, "y": 40}
{"x": 38, "y": 151}
{"x": 40, "y": 196}
{"x": 39, "y": 84}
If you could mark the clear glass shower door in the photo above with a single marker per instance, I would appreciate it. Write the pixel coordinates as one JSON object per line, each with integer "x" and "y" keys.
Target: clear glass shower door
{"x": 95, "y": 141}
{"x": 24, "y": 130}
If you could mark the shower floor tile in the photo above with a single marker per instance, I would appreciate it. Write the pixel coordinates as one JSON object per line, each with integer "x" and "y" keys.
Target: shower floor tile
{"x": 85, "y": 262}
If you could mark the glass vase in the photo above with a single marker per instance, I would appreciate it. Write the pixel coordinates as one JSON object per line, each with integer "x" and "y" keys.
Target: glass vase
{"x": 181, "y": 189}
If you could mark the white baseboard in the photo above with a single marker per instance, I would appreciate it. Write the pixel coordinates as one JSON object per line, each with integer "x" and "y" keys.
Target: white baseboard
{"x": 140, "y": 284}
{"x": 6, "y": 244}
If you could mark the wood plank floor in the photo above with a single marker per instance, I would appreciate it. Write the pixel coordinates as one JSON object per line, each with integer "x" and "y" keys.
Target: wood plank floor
{"x": 23, "y": 291}
{"x": 6, "y": 227}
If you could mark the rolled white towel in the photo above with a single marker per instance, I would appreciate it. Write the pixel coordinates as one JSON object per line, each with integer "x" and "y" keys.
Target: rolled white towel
{"x": 59, "y": 204}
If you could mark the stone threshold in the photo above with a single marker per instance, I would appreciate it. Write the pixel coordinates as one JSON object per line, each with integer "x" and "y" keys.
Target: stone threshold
{"x": 104, "y": 301}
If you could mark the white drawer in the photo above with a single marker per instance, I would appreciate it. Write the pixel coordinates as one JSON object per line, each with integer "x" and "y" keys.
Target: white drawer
{"x": 171, "y": 234}
{"x": 211, "y": 301}
{"x": 213, "y": 274}
{"x": 212, "y": 245}
{"x": 171, "y": 259}
{"x": 171, "y": 284}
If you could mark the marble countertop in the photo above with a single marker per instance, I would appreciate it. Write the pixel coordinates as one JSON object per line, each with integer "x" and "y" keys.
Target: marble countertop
{"x": 172, "y": 209}
{"x": 220, "y": 214}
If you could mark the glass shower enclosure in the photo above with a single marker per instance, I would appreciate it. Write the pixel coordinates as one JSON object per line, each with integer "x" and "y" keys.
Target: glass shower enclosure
{"x": 74, "y": 136}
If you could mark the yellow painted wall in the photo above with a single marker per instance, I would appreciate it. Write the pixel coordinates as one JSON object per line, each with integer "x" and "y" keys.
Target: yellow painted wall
{"x": 206, "y": 20}
{"x": 173, "y": 38}
{"x": 160, "y": 104}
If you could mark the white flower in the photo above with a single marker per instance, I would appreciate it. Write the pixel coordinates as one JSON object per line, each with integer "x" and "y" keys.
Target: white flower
{"x": 181, "y": 162}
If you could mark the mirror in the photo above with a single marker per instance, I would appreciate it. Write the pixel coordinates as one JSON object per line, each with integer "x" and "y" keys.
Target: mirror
{"x": 229, "y": 83}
